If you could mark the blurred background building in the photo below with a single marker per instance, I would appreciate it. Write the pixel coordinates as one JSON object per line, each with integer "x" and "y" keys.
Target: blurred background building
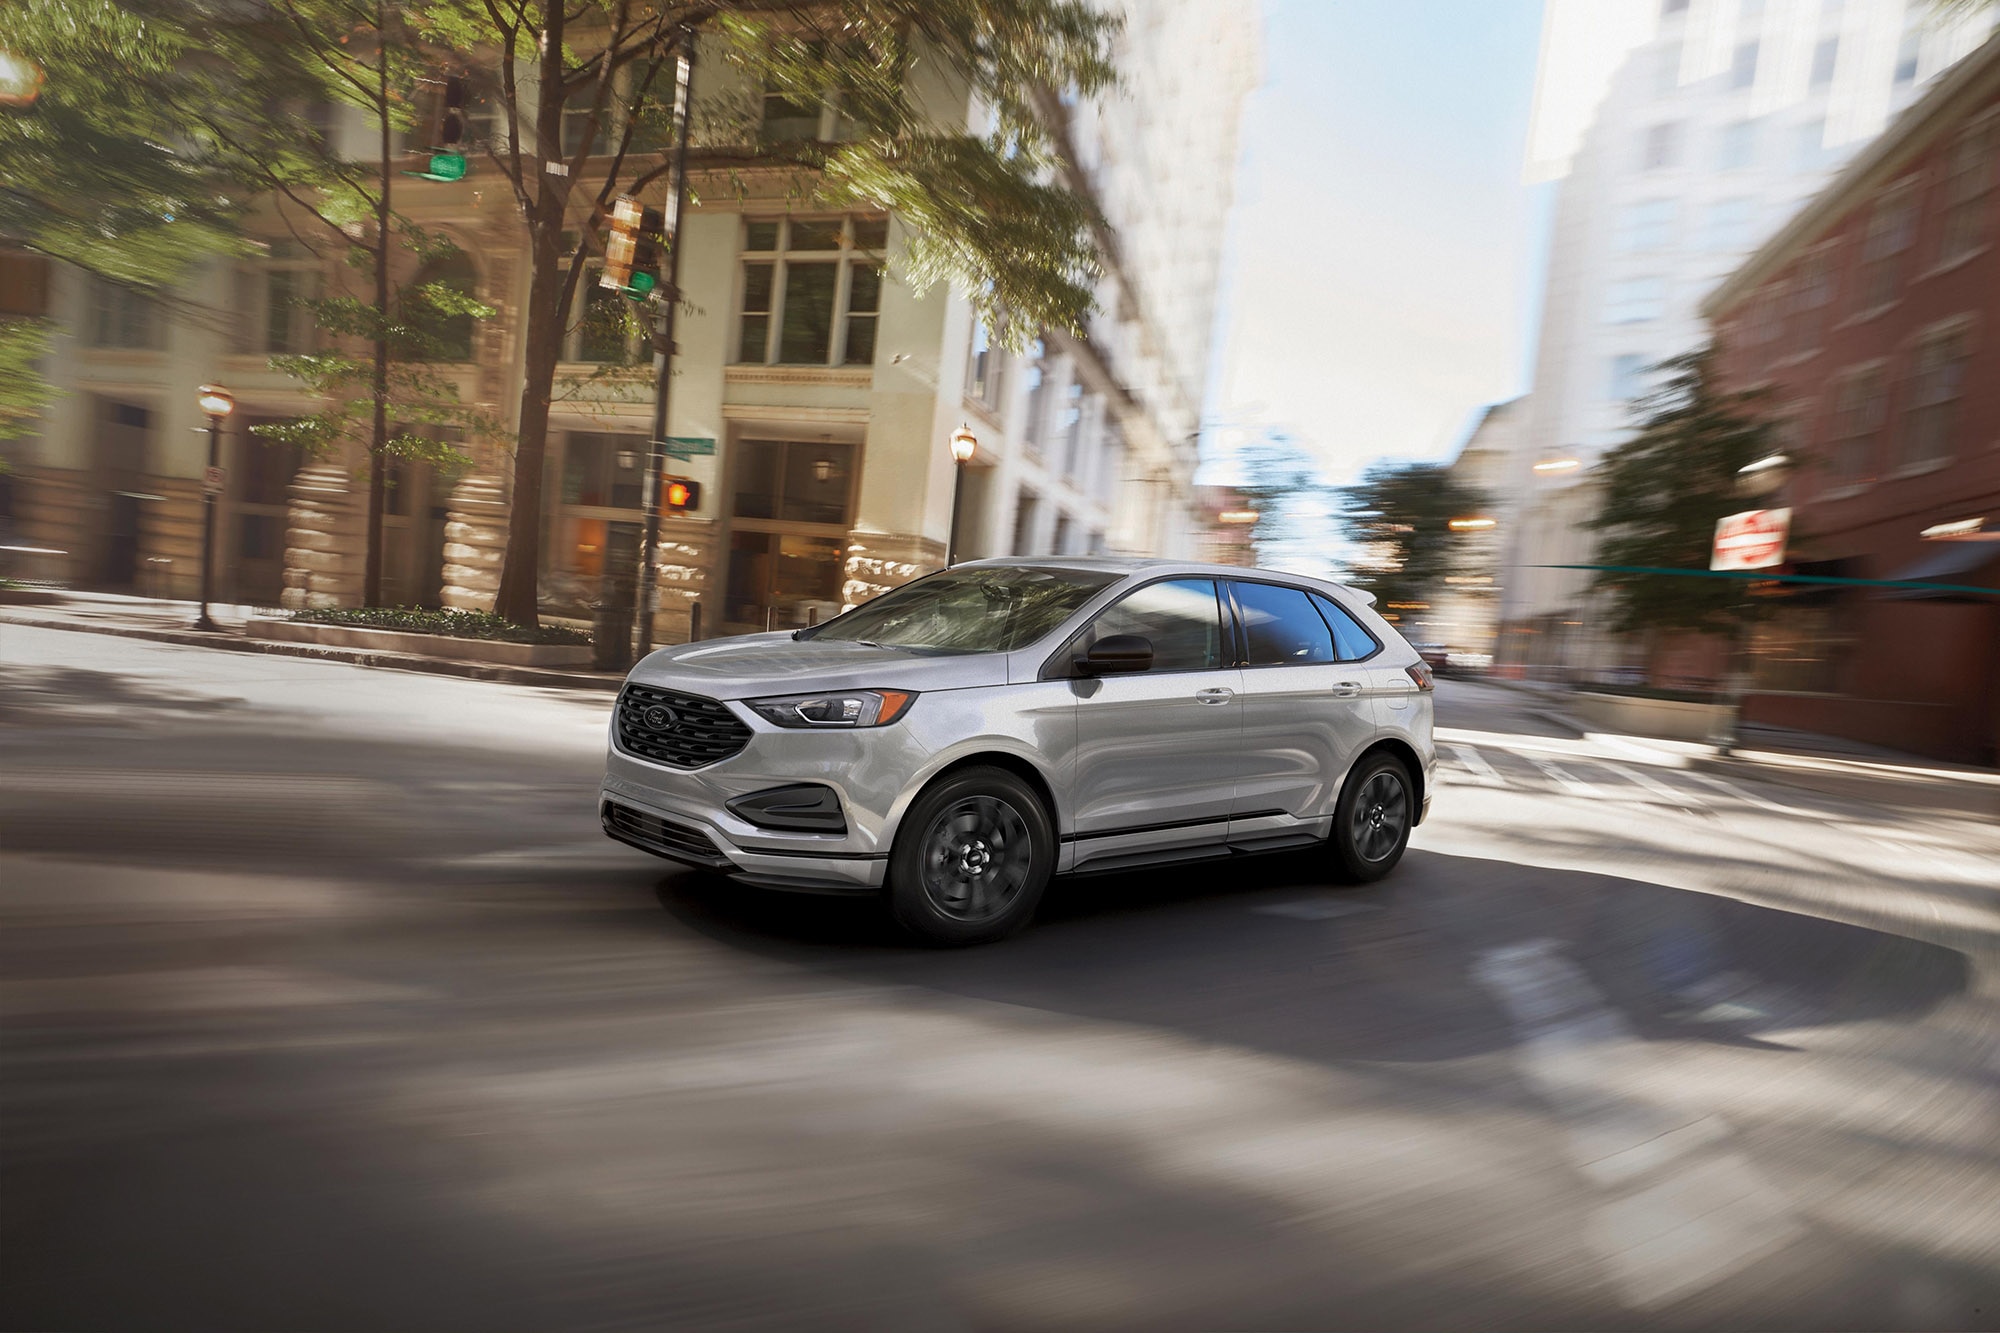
{"x": 1719, "y": 120}
{"x": 1869, "y": 319}
{"x": 1465, "y": 614}
{"x": 827, "y": 394}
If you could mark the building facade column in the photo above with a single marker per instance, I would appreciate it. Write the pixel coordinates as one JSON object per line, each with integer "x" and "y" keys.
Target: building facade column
{"x": 475, "y": 542}
{"x": 324, "y": 536}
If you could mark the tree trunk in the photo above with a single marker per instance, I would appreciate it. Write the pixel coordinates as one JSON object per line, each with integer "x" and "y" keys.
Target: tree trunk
{"x": 378, "y": 444}
{"x": 543, "y": 327}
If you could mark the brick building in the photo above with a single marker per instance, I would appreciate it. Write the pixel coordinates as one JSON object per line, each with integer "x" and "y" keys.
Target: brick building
{"x": 1872, "y": 322}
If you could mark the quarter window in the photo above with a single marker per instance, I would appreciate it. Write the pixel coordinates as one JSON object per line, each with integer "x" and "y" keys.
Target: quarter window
{"x": 1180, "y": 618}
{"x": 1351, "y": 642}
{"x": 812, "y": 291}
{"x": 1280, "y": 627}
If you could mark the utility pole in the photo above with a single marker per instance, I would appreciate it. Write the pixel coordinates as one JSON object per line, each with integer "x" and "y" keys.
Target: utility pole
{"x": 663, "y": 353}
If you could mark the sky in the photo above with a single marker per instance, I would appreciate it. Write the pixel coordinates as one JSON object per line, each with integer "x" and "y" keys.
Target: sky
{"x": 1384, "y": 259}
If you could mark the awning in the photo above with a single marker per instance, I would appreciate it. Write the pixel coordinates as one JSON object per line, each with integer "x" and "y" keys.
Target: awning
{"x": 1950, "y": 562}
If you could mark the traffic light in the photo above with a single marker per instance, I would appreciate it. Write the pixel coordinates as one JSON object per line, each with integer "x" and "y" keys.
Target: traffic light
{"x": 646, "y": 254}
{"x": 679, "y": 494}
{"x": 621, "y": 245}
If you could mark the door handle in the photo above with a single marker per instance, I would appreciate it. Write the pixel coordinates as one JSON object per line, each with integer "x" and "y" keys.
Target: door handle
{"x": 1217, "y": 695}
{"x": 1346, "y": 689}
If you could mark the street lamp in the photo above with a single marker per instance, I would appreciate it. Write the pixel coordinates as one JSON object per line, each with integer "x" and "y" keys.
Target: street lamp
{"x": 1559, "y": 465}
{"x": 1470, "y": 524}
{"x": 963, "y": 444}
{"x": 216, "y": 404}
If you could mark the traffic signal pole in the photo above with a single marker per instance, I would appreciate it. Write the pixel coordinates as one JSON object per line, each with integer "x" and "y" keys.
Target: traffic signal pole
{"x": 663, "y": 352}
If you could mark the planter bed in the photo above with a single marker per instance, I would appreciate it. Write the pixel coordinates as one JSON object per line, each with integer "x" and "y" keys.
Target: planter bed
{"x": 424, "y": 645}
{"x": 1669, "y": 719}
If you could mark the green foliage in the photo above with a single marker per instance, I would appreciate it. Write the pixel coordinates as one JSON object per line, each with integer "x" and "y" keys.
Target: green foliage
{"x": 1280, "y": 481}
{"x": 455, "y": 624}
{"x": 1401, "y": 514}
{"x": 1665, "y": 488}
{"x": 23, "y": 392}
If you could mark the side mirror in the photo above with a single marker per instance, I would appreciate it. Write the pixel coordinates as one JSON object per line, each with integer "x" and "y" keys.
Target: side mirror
{"x": 1115, "y": 653}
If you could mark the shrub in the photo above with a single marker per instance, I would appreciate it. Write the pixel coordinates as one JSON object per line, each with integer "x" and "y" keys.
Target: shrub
{"x": 454, "y": 624}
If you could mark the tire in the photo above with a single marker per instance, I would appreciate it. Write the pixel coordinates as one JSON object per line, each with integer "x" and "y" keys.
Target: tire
{"x": 1373, "y": 819}
{"x": 971, "y": 859}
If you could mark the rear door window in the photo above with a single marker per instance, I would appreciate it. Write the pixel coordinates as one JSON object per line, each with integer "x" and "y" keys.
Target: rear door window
{"x": 1280, "y": 627}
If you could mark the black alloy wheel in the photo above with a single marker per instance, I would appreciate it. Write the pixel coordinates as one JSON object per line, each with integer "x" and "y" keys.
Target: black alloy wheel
{"x": 971, "y": 859}
{"x": 1372, "y": 822}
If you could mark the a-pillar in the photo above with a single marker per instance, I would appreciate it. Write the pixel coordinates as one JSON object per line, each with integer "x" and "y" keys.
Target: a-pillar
{"x": 475, "y": 543}
{"x": 323, "y": 539}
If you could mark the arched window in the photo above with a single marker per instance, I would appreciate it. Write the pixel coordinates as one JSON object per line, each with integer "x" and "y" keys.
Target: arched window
{"x": 444, "y": 337}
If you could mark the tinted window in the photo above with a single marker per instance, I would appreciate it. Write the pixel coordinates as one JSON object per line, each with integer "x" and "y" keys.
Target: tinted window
{"x": 1351, "y": 641}
{"x": 1280, "y": 626}
{"x": 994, "y": 610}
{"x": 1179, "y": 618}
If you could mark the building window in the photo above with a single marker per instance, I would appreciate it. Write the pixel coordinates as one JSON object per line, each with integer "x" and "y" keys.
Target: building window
{"x": 1736, "y": 146}
{"x": 1069, "y": 423}
{"x": 812, "y": 291}
{"x": 1059, "y": 539}
{"x": 1671, "y": 7}
{"x": 1860, "y": 407}
{"x": 605, "y": 327}
{"x": 982, "y": 369}
{"x": 272, "y": 296}
{"x": 793, "y": 481}
{"x": 1628, "y": 377}
{"x": 1743, "y": 65}
{"x": 1024, "y": 524}
{"x": 1907, "y": 53}
{"x": 1729, "y": 225}
{"x": 1635, "y": 300}
{"x": 1662, "y": 147}
{"x": 1646, "y": 225}
{"x": 1892, "y": 228}
{"x": 1824, "y": 57}
{"x": 1812, "y": 293}
{"x": 1767, "y": 315}
{"x": 1937, "y": 378}
{"x": 603, "y": 471}
{"x": 1667, "y": 73}
{"x": 121, "y": 317}
{"x": 1809, "y": 146}
{"x": 1970, "y": 178}
{"x": 1035, "y": 406}
{"x": 444, "y": 337}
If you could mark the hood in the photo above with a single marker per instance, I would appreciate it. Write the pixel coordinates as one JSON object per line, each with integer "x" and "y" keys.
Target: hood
{"x": 753, "y": 665}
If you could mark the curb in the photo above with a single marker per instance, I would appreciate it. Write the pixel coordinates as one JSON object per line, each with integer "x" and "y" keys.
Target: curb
{"x": 364, "y": 657}
{"x": 1919, "y": 794}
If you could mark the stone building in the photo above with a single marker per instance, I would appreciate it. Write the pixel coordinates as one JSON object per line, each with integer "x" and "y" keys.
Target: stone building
{"x": 829, "y": 389}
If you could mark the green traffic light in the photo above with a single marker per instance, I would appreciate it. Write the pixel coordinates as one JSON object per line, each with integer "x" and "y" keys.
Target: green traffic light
{"x": 445, "y": 167}
{"x": 640, "y": 283}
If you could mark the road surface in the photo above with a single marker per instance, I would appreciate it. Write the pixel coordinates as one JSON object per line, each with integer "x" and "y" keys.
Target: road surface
{"x": 326, "y": 1006}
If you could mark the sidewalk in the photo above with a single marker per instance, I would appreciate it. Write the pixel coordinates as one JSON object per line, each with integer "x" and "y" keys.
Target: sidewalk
{"x": 169, "y": 622}
{"x": 1830, "y": 765}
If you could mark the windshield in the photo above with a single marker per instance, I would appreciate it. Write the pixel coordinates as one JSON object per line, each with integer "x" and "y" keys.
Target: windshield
{"x": 990, "y": 610}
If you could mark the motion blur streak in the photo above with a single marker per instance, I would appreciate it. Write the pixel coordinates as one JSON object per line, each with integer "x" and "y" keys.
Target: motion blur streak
{"x": 326, "y": 1006}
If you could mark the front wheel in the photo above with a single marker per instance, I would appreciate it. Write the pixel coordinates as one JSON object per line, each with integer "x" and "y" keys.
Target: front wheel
{"x": 971, "y": 859}
{"x": 1372, "y": 822}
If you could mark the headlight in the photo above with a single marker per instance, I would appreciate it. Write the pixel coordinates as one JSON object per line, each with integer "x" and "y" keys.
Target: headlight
{"x": 839, "y": 708}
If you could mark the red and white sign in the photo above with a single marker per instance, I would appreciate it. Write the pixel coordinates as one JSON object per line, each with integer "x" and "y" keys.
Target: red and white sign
{"x": 212, "y": 479}
{"x": 1754, "y": 539}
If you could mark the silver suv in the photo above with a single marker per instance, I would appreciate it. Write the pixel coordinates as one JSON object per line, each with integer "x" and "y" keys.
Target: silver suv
{"x": 956, "y": 742}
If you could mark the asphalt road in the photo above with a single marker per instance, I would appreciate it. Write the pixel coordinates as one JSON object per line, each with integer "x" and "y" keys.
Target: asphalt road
{"x": 324, "y": 1005}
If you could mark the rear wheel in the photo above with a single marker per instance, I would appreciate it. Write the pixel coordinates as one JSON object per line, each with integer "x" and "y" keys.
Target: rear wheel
{"x": 1372, "y": 822}
{"x": 971, "y": 859}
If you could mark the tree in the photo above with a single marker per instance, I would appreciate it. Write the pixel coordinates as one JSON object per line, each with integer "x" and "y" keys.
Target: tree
{"x": 1665, "y": 488}
{"x": 584, "y": 88}
{"x": 1281, "y": 481}
{"x": 1401, "y": 515}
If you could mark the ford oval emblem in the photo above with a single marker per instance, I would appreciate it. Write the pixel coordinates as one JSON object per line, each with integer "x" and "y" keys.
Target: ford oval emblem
{"x": 659, "y": 717}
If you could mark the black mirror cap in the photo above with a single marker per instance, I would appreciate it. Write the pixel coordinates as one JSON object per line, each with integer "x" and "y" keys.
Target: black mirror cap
{"x": 1117, "y": 652}
{"x": 805, "y": 807}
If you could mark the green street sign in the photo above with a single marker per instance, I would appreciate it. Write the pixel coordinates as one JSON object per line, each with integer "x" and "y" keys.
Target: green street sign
{"x": 640, "y": 283}
{"x": 445, "y": 167}
{"x": 686, "y": 446}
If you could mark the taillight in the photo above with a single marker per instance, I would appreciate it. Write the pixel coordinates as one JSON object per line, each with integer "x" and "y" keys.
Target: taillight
{"x": 1420, "y": 672}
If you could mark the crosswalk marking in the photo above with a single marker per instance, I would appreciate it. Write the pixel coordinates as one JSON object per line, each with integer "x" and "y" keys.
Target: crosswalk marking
{"x": 1562, "y": 778}
{"x": 1684, "y": 800}
{"x": 1482, "y": 771}
{"x": 1731, "y": 789}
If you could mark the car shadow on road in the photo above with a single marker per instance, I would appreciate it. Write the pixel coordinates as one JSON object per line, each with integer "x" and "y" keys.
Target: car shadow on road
{"x": 1265, "y": 953}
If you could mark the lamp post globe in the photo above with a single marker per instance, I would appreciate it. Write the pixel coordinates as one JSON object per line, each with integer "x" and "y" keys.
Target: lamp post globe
{"x": 216, "y": 404}
{"x": 963, "y": 445}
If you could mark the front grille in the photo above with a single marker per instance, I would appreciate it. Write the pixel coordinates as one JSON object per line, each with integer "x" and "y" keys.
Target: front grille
{"x": 666, "y": 837}
{"x": 690, "y": 732}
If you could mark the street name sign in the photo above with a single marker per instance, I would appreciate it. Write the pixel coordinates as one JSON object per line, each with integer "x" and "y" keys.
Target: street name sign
{"x": 686, "y": 446}
{"x": 1754, "y": 539}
